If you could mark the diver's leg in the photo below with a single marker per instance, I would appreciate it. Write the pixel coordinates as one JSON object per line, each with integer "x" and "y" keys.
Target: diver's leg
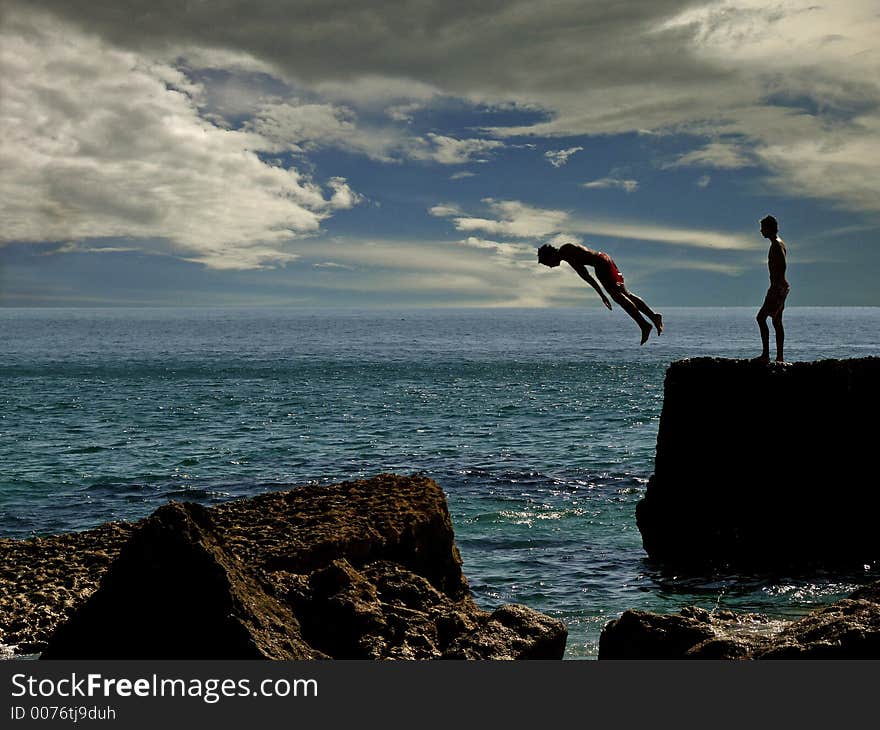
{"x": 655, "y": 317}
{"x": 630, "y": 308}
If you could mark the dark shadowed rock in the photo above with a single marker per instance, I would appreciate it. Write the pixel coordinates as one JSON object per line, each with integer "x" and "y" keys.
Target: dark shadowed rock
{"x": 366, "y": 569}
{"x": 764, "y": 465}
{"x": 177, "y": 592}
{"x": 645, "y": 635}
{"x": 512, "y": 632}
{"x": 847, "y": 629}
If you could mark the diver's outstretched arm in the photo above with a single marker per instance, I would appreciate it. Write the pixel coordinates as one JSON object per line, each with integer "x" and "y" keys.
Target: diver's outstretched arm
{"x": 585, "y": 275}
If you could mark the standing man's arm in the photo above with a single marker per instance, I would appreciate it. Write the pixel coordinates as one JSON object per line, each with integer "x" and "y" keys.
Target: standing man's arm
{"x": 585, "y": 275}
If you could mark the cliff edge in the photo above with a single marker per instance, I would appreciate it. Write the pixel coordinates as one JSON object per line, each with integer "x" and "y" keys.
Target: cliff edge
{"x": 761, "y": 465}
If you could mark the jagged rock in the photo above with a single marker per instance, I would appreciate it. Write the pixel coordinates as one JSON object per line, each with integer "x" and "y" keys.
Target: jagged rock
{"x": 366, "y": 569}
{"x": 389, "y": 517}
{"x": 512, "y": 632}
{"x": 645, "y": 635}
{"x": 177, "y": 592}
{"x": 388, "y": 612}
{"x": 761, "y": 465}
{"x": 44, "y": 579}
{"x": 847, "y": 629}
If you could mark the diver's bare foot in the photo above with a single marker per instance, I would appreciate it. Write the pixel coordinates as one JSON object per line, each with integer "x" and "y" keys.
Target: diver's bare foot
{"x": 657, "y": 319}
{"x": 762, "y": 359}
{"x": 781, "y": 361}
{"x": 646, "y": 331}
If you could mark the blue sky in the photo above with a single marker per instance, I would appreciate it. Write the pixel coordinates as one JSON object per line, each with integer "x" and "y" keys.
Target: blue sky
{"x": 416, "y": 154}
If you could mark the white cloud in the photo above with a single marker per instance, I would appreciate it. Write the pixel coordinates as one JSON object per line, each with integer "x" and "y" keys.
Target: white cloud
{"x": 480, "y": 272}
{"x": 100, "y": 142}
{"x": 515, "y": 219}
{"x": 558, "y": 158}
{"x": 650, "y": 265}
{"x": 671, "y": 235}
{"x": 841, "y": 167}
{"x": 404, "y": 112}
{"x": 225, "y": 258}
{"x": 629, "y": 186}
{"x": 76, "y": 247}
{"x": 451, "y": 151}
{"x": 343, "y": 196}
{"x": 444, "y": 210}
{"x": 461, "y": 175}
{"x": 704, "y": 181}
{"x": 331, "y": 265}
{"x": 295, "y": 126}
{"x": 292, "y": 125}
{"x": 720, "y": 155}
{"x": 377, "y": 91}
{"x": 788, "y": 77}
{"x": 505, "y": 249}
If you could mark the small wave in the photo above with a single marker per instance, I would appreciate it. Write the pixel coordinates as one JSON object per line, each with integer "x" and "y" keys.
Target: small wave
{"x": 527, "y": 517}
{"x": 113, "y": 487}
{"x": 810, "y": 592}
{"x": 194, "y": 493}
{"x": 88, "y": 450}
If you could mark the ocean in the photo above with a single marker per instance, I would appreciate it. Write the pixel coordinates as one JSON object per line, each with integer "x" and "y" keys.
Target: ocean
{"x": 540, "y": 426}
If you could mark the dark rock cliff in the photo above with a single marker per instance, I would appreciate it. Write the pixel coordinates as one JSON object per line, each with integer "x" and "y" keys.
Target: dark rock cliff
{"x": 365, "y": 569}
{"x": 766, "y": 464}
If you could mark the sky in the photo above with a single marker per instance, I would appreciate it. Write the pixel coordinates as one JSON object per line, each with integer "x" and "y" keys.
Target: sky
{"x": 407, "y": 153}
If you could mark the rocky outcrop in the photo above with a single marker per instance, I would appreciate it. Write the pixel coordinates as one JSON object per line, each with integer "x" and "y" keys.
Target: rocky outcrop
{"x": 44, "y": 579}
{"x": 847, "y": 629}
{"x": 761, "y": 465}
{"x": 176, "y": 591}
{"x": 509, "y": 632}
{"x": 365, "y": 569}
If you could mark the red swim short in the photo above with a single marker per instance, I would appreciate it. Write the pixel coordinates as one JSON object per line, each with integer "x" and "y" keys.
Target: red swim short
{"x": 608, "y": 274}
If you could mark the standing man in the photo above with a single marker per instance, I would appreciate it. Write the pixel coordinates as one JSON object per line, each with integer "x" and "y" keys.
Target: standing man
{"x": 579, "y": 257}
{"x": 774, "y": 302}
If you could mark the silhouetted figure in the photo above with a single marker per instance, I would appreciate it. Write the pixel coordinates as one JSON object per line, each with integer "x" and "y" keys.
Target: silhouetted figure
{"x": 774, "y": 302}
{"x": 579, "y": 257}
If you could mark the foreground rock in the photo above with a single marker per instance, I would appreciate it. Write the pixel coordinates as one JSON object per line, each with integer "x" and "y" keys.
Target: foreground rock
{"x": 847, "y": 629}
{"x": 176, "y": 591}
{"x": 366, "y": 569}
{"x": 42, "y": 580}
{"x": 765, "y": 464}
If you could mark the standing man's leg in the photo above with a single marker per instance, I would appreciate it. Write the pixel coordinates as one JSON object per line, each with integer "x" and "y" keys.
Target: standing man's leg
{"x": 765, "y": 334}
{"x": 780, "y": 335}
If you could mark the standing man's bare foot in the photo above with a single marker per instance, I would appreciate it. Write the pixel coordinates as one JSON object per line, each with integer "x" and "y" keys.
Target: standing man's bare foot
{"x": 646, "y": 331}
{"x": 762, "y": 358}
{"x": 657, "y": 319}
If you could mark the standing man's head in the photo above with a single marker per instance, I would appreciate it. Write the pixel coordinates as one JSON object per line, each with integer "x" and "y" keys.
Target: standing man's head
{"x": 549, "y": 255}
{"x": 769, "y": 227}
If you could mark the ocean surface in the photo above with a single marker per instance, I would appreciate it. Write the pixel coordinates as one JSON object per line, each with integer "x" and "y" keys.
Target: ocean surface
{"x": 540, "y": 425}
